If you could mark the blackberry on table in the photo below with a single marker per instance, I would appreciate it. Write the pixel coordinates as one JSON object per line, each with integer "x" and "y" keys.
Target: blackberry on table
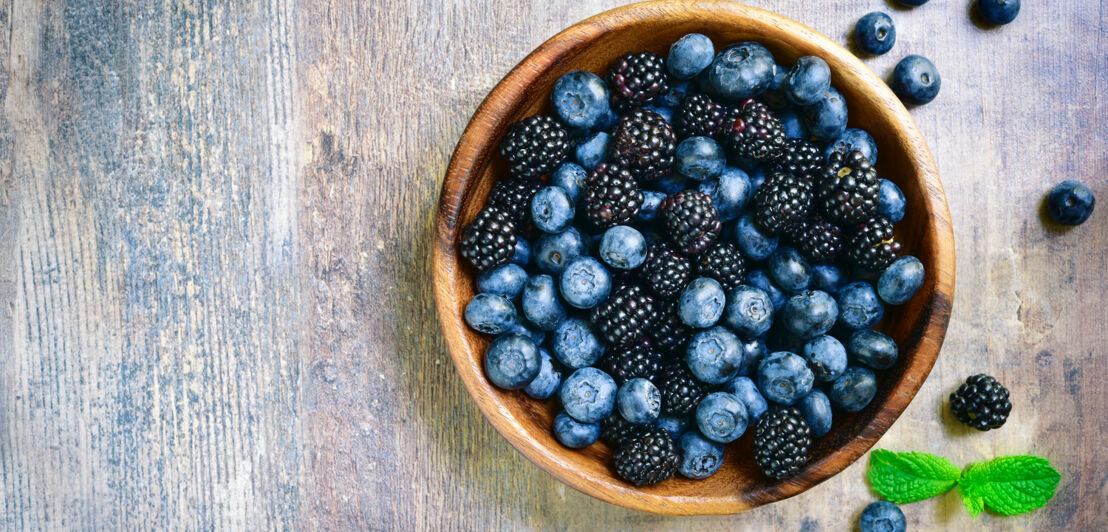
{"x": 819, "y": 241}
{"x": 681, "y": 392}
{"x": 781, "y": 201}
{"x": 691, "y": 221}
{"x": 636, "y": 79}
{"x": 724, "y": 263}
{"x": 637, "y": 360}
{"x": 782, "y": 441}
{"x": 647, "y": 457}
{"x": 698, "y": 115}
{"x": 535, "y": 146}
{"x": 756, "y": 134}
{"x": 981, "y": 402}
{"x": 644, "y": 144}
{"x": 873, "y": 245}
{"x": 489, "y": 241}
{"x": 849, "y": 191}
{"x": 665, "y": 271}
{"x": 514, "y": 196}
{"x": 611, "y": 196}
{"x": 626, "y": 316}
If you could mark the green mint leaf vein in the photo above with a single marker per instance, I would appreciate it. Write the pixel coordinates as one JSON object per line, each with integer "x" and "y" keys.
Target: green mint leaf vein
{"x": 910, "y": 477}
{"x": 1009, "y": 485}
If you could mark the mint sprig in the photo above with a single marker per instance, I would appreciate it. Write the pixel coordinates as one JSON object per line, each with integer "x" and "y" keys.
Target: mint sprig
{"x": 1008, "y": 485}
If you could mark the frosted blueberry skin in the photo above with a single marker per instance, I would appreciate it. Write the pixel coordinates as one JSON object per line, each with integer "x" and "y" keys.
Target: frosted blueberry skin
{"x": 901, "y": 280}
{"x": 689, "y": 55}
{"x": 753, "y": 352}
{"x": 700, "y": 457}
{"x": 809, "y": 314}
{"x": 540, "y": 303}
{"x": 521, "y": 255}
{"x": 807, "y": 80}
{"x": 743, "y": 70}
{"x": 759, "y": 279}
{"x": 875, "y": 33}
{"x": 535, "y": 335}
{"x": 675, "y": 426}
{"x": 853, "y": 140}
{"x": 749, "y": 311}
{"x": 490, "y": 313}
{"x": 546, "y": 383}
{"x": 553, "y": 252}
{"x": 916, "y": 80}
{"x": 592, "y": 151}
{"x": 729, "y": 192}
{"x": 998, "y": 12}
{"x": 826, "y": 356}
{"x": 792, "y": 123}
{"x": 784, "y": 378}
{"x": 754, "y": 244}
{"x": 882, "y": 516}
{"x": 859, "y": 307}
{"x": 701, "y": 303}
{"x": 714, "y": 355}
{"x": 588, "y": 395}
{"x": 826, "y": 119}
{"x": 584, "y": 283}
{"x": 827, "y": 278}
{"x": 552, "y": 210}
{"x": 816, "y": 409}
{"x": 1070, "y": 203}
{"x": 678, "y": 90}
{"x": 639, "y": 401}
{"x": 574, "y": 434}
{"x": 721, "y": 417}
{"x": 507, "y": 280}
{"x": 651, "y": 201}
{"x": 623, "y": 247}
{"x": 575, "y": 344}
{"x": 580, "y": 99}
{"x": 789, "y": 270}
{"x": 572, "y": 178}
{"x": 853, "y": 390}
{"x": 774, "y": 97}
{"x": 891, "y": 203}
{"x": 699, "y": 158}
{"x": 512, "y": 361}
{"x": 872, "y": 349}
{"x": 746, "y": 391}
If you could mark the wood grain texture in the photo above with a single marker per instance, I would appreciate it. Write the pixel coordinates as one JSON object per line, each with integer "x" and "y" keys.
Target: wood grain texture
{"x": 216, "y": 223}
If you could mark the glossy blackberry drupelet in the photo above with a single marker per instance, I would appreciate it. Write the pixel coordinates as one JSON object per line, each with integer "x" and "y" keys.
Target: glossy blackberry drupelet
{"x": 646, "y": 457}
{"x": 489, "y": 240}
{"x": 782, "y": 441}
{"x": 699, "y": 115}
{"x": 535, "y": 146}
{"x": 513, "y": 196}
{"x": 981, "y": 403}
{"x": 644, "y": 143}
{"x": 756, "y": 134}
{"x": 635, "y": 79}
{"x": 819, "y": 241}
{"x": 781, "y": 201}
{"x": 849, "y": 191}
{"x": 626, "y": 316}
{"x": 665, "y": 271}
{"x": 691, "y": 221}
{"x": 724, "y": 263}
{"x": 681, "y": 392}
{"x": 638, "y": 360}
{"x": 669, "y": 334}
{"x": 916, "y": 80}
{"x": 611, "y": 197}
{"x": 875, "y": 33}
{"x": 618, "y": 430}
{"x": 801, "y": 159}
{"x": 873, "y": 245}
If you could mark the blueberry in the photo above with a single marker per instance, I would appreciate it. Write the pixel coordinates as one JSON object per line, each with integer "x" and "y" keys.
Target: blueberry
{"x": 675, "y": 426}
{"x": 901, "y": 280}
{"x": 754, "y": 244}
{"x": 506, "y": 280}
{"x": 807, "y": 81}
{"x": 809, "y": 314}
{"x": 875, "y": 33}
{"x": 699, "y": 158}
{"x": 588, "y": 395}
{"x": 665, "y": 112}
{"x": 793, "y": 125}
{"x": 573, "y": 433}
{"x": 853, "y": 390}
{"x": 689, "y": 55}
{"x": 859, "y": 307}
{"x": 553, "y": 252}
{"x": 607, "y": 122}
{"x": 882, "y": 516}
{"x": 998, "y": 12}
{"x": 853, "y": 140}
{"x": 1070, "y": 202}
{"x": 672, "y": 184}
{"x": 580, "y": 99}
{"x": 746, "y": 391}
{"x": 592, "y": 150}
{"x": 912, "y": 3}
{"x": 622, "y": 247}
{"x": 651, "y": 201}
{"x": 678, "y": 90}
{"x": 749, "y": 311}
{"x": 701, "y": 303}
{"x": 535, "y": 335}
{"x": 490, "y": 313}
{"x": 552, "y": 210}
{"x": 721, "y": 417}
{"x": 729, "y": 192}
{"x": 780, "y": 338}
{"x": 540, "y": 303}
{"x": 700, "y": 457}
{"x": 512, "y": 361}
{"x": 547, "y": 381}
{"x": 521, "y": 255}
{"x": 584, "y": 283}
{"x": 891, "y": 202}
{"x": 826, "y": 356}
{"x": 739, "y": 71}
{"x": 826, "y": 119}
{"x": 639, "y": 401}
{"x": 759, "y": 279}
{"x": 789, "y": 270}
{"x": 872, "y": 349}
{"x": 816, "y": 409}
{"x": 753, "y": 352}
{"x": 572, "y": 178}
{"x": 575, "y": 344}
{"x": 714, "y": 355}
{"x": 916, "y": 80}
{"x": 827, "y": 278}
{"x": 757, "y": 175}
{"x": 784, "y": 377}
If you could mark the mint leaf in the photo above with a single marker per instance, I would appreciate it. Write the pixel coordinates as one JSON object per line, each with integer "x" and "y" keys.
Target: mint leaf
{"x": 971, "y": 500}
{"x": 1009, "y": 485}
{"x": 910, "y": 477}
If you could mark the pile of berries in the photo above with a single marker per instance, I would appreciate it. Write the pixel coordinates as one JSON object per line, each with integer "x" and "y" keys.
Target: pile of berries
{"x": 689, "y": 249}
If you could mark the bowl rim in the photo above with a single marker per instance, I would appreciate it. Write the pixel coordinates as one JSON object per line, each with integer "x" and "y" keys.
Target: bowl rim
{"x": 470, "y": 158}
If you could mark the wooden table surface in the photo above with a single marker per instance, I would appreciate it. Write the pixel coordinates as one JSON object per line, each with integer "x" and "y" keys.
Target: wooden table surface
{"x": 215, "y": 231}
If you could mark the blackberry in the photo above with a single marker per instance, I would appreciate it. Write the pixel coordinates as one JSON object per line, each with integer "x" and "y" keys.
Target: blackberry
{"x": 665, "y": 271}
{"x": 681, "y": 392}
{"x": 849, "y": 191}
{"x": 781, "y": 201}
{"x": 755, "y": 134}
{"x": 647, "y": 457}
{"x": 819, "y": 241}
{"x": 535, "y": 146}
{"x": 611, "y": 196}
{"x": 981, "y": 403}
{"x": 873, "y": 245}
{"x": 635, "y": 79}
{"x": 802, "y": 159}
{"x": 513, "y": 196}
{"x": 698, "y": 115}
{"x": 691, "y": 221}
{"x": 489, "y": 241}
{"x": 626, "y": 316}
{"x": 618, "y": 430}
{"x": 670, "y": 334}
{"x": 644, "y": 144}
{"x": 638, "y": 360}
{"x": 724, "y": 263}
{"x": 782, "y": 440}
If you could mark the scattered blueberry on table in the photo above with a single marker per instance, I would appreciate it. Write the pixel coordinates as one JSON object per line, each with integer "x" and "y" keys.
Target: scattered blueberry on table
{"x": 916, "y": 80}
{"x": 882, "y": 516}
{"x": 998, "y": 12}
{"x": 1070, "y": 203}
{"x": 875, "y": 33}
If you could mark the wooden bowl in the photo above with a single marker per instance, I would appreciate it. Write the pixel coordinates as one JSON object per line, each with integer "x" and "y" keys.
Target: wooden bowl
{"x": 918, "y": 326}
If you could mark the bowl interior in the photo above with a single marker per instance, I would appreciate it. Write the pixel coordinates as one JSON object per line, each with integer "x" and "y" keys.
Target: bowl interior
{"x": 918, "y": 327}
